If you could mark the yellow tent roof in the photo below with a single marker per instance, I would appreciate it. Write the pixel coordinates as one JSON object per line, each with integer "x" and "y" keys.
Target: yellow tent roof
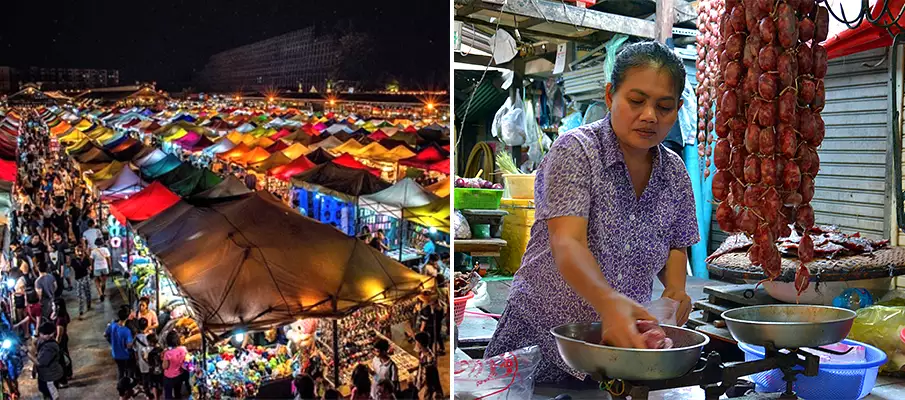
{"x": 256, "y": 155}
{"x": 97, "y": 131}
{"x": 73, "y": 137}
{"x": 349, "y": 146}
{"x": 107, "y": 136}
{"x": 397, "y": 153}
{"x": 83, "y": 124}
{"x": 372, "y": 150}
{"x": 235, "y": 136}
{"x": 176, "y": 134}
{"x": 249, "y": 140}
{"x": 78, "y": 144}
{"x": 434, "y": 215}
{"x": 108, "y": 172}
{"x": 440, "y": 188}
{"x": 296, "y": 150}
{"x": 264, "y": 142}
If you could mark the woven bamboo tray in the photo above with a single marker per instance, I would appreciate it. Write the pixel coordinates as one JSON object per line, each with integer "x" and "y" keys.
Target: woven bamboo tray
{"x": 888, "y": 262}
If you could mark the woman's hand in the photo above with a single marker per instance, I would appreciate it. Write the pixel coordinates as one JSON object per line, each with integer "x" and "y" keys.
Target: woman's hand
{"x": 618, "y": 315}
{"x": 684, "y": 308}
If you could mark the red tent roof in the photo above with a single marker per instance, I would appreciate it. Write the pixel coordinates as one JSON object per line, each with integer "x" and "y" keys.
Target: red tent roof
{"x": 282, "y": 133}
{"x": 427, "y": 157}
{"x": 7, "y": 170}
{"x": 286, "y": 172}
{"x": 348, "y": 161}
{"x": 440, "y": 166}
{"x": 144, "y": 204}
{"x": 410, "y": 129}
{"x": 279, "y": 145}
{"x": 378, "y": 135}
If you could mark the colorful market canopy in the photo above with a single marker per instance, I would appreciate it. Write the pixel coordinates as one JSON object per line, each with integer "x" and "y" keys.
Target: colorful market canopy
{"x": 343, "y": 180}
{"x": 349, "y": 161}
{"x": 167, "y": 164}
{"x": 231, "y": 186}
{"x": 296, "y": 150}
{"x": 256, "y": 155}
{"x": 275, "y": 160}
{"x": 435, "y": 214}
{"x": 186, "y": 180}
{"x": 221, "y": 146}
{"x": 151, "y": 158}
{"x": 441, "y": 188}
{"x": 393, "y": 200}
{"x": 319, "y": 156}
{"x": 297, "y": 166}
{"x": 236, "y": 261}
{"x": 144, "y": 204}
{"x": 8, "y": 170}
{"x": 126, "y": 184}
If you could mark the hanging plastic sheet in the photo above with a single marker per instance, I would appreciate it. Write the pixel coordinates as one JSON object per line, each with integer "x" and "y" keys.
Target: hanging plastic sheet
{"x": 688, "y": 116}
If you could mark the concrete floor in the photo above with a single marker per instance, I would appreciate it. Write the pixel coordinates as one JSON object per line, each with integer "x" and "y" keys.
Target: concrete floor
{"x": 94, "y": 372}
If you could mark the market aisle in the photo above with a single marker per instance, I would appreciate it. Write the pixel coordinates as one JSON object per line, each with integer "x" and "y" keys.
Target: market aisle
{"x": 94, "y": 375}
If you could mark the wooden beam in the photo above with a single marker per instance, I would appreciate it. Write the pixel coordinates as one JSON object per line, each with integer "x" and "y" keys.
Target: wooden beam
{"x": 528, "y": 32}
{"x": 531, "y": 22}
{"x": 579, "y": 17}
{"x": 665, "y": 16}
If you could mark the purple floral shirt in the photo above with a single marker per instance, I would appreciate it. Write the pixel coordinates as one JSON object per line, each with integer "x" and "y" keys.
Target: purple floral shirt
{"x": 585, "y": 175}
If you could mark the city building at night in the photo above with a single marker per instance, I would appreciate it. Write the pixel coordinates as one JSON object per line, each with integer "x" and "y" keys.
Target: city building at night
{"x": 300, "y": 59}
{"x": 12, "y": 78}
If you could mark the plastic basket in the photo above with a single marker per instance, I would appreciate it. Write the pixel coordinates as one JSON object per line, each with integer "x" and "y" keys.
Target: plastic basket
{"x": 477, "y": 199}
{"x": 520, "y": 186}
{"x": 459, "y": 307}
{"x": 833, "y": 381}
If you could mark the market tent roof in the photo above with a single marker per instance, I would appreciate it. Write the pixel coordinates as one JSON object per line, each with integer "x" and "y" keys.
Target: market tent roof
{"x": 435, "y": 214}
{"x": 371, "y": 151}
{"x": 126, "y": 184}
{"x": 427, "y": 156}
{"x": 344, "y": 180}
{"x": 151, "y": 158}
{"x": 167, "y": 164}
{"x": 144, "y": 204}
{"x": 349, "y": 161}
{"x": 441, "y": 188}
{"x": 393, "y": 200}
{"x": 8, "y": 170}
{"x": 231, "y": 186}
{"x": 201, "y": 144}
{"x": 296, "y": 150}
{"x": 247, "y": 240}
{"x": 350, "y": 146}
{"x": 297, "y": 166}
{"x": 275, "y": 160}
{"x": 108, "y": 173}
{"x": 188, "y": 140}
{"x": 186, "y": 180}
{"x": 327, "y": 143}
{"x": 94, "y": 156}
{"x": 221, "y": 146}
{"x": 319, "y": 156}
{"x": 235, "y": 152}
{"x": 397, "y": 153}
{"x": 279, "y": 145}
{"x": 440, "y": 166}
{"x": 256, "y": 155}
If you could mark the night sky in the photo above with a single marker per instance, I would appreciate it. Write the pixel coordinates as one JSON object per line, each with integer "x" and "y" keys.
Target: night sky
{"x": 168, "y": 41}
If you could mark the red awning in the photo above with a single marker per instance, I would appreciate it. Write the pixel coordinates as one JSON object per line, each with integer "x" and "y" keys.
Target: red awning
{"x": 866, "y": 36}
{"x": 279, "y": 145}
{"x": 286, "y": 172}
{"x": 425, "y": 158}
{"x": 348, "y": 161}
{"x": 378, "y": 135}
{"x": 282, "y": 133}
{"x": 7, "y": 170}
{"x": 145, "y": 204}
{"x": 440, "y": 166}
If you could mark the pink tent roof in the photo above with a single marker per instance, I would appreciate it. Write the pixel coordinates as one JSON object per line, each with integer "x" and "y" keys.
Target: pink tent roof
{"x": 188, "y": 140}
{"x": 282, "y": 133}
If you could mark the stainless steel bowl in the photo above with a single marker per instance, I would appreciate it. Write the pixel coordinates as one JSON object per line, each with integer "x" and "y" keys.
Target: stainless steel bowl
{"x": 789, "y": 326}
{"x": 576, "y": 343}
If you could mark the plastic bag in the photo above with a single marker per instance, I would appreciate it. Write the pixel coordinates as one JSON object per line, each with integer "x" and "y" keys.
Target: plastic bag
{"x": 513, "y": 126}
{"x": 663, "y": 309}
{"x": 506, "y": 376}
{"x": 461, "y": 230}
{"x": 496, "y": 128}
{"x": 880, "y": 326}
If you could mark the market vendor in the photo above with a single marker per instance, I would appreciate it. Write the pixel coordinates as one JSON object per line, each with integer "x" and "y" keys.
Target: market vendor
{"x": 614, "y": 209}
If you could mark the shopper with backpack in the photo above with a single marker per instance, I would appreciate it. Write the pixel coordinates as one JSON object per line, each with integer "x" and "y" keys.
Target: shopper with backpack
{"x": 154, "y": 358}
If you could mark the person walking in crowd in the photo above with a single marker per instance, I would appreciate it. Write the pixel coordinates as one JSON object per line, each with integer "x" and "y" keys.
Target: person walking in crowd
{"x": 60, "y": 318}
{"x": 361, "y": 383}
{"x": 427, "y": 378}
{"x": 120, "y": 339}
{"x": 100, "y": 257}
{"x": 142, "y": 348}
{"x": 46, "y": 285}
{"x": 47, "y": 361}
{"x": 173, "y": 373}
{"x": 154, "y": 358}
{"x": 25, "y": 287}
{"x": 81, "y": 269}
